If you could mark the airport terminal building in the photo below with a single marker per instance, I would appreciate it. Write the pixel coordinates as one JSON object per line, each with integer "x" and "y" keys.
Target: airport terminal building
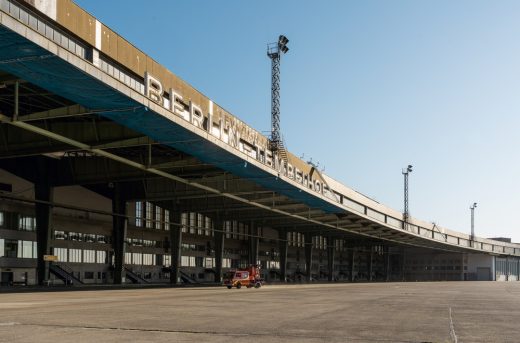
{"x": 113, "y": 170}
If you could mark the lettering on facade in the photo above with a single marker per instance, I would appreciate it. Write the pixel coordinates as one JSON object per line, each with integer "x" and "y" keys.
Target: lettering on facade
{"x": 230, "y": 130}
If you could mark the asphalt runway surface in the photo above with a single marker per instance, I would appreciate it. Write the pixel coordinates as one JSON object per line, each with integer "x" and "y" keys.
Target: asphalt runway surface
{"x": 357, "y": 312}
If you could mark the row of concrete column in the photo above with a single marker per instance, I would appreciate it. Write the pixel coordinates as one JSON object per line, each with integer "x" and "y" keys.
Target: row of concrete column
{"x": 44, "y": 198}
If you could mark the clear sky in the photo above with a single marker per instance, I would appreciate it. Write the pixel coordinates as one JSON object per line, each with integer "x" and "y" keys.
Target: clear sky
{"x": 367, "y": 88}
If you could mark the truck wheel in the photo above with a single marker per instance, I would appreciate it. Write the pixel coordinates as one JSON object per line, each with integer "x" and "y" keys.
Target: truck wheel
{"x": 239, "y": 285}
{"x": 229, "y": 287}
{"x": 258, "y": 285}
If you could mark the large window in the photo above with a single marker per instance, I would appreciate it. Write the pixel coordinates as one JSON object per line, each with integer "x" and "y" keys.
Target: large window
{"x": 139, "y": 214}
{"x": 158, "y": 218}
{"x": 193, "y": 222}
{"x": 80, "y": 237}
{"x": 166, "y": 220}
{"x": 187, "y": 261}
{"x": 167, "y": 260}
{"x": 2, "y": 250}
{"x": 200, "y": 223}
{"x": 227, "y": 229}
{"x": 137, "y": 258}
{"x": 273, "y": 265}
{"x": 148, "y": 259}
{"x": 75, "y": 255}
{"x": 89, "y": 256}
{"x": 208, "y": 226}
{"x": 209, "y": 262}
{"x": 149, "y": 215}
{"x": 101, "y": 256}
{"x": 27, "y": 223}
{"x": 184, "y": 222}
{"x": 226, "y": 263}
{"x": 199, "y": 261}
{"x": 11, "y": 248}
{"x": 61, "y": 253}
{"x": 1, "y": 218}
{"x": 26, "y": 249}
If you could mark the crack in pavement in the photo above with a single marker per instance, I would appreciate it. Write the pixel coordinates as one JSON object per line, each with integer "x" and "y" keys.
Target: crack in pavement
{"x": 193, "y": 332}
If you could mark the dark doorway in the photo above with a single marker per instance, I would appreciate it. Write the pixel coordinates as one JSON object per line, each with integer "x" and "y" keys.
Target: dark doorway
{"x": 7, "y": 279}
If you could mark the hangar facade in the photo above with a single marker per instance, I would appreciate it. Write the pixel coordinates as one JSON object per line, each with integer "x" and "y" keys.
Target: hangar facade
{"x": 112, "y": 170}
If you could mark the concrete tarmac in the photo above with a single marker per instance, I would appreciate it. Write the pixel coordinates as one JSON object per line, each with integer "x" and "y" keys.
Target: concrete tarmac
{"x": 358, "y": 312}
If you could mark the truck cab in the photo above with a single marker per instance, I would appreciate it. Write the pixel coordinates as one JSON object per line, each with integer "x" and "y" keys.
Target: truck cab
{"x": 249, "y": 277}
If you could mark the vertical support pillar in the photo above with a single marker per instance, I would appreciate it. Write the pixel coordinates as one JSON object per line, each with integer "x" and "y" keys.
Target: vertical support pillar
{"x": 283, "y": 244}
{"x": 43, "y": 192}
{"x": 119, "y": 227}
{"x": 308, "y": 256}
{"x": 16, "y": 100}
{"x": 219, "y": 247}
{"x": 387, "y": 263}
{"x": 370, "y": 258}
{"x": 176, "y": 243}
{"x": 402, "y": 259}
{"x": 253, "y": 243}
{"x": 352, "y": 260}
{"x": 331, "y": 248}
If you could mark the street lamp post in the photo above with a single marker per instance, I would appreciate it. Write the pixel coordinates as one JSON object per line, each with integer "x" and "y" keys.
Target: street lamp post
{"x": 406, "y": 213}
{"x": 472, "y": 208}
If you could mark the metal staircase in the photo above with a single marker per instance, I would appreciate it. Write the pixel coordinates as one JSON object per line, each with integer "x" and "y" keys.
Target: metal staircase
{"x": 64, "y": 273}
{"x": 133, "y": 276}
{"x": 186, "y": 278}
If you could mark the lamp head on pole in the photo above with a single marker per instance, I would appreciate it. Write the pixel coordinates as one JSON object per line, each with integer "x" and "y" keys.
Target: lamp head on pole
{"x": 408, "y": 169}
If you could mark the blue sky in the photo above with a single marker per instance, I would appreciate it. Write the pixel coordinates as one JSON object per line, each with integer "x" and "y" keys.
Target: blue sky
{"x": 368, "y": 87}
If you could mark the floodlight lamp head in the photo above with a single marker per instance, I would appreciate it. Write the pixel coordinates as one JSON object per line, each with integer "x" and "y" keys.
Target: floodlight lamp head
{"x": 282, "y": 40}
{"x": 284, "y": 49}
{"x": 409, "y": 169}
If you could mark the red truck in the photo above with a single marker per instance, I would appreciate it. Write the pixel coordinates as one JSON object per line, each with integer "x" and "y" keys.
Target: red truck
{"x": 248, "y": 277}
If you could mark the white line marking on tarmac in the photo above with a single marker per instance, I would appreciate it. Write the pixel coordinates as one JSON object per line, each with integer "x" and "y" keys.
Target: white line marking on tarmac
{"x": 9, "y": 324}
{"x": 452, "y": 330}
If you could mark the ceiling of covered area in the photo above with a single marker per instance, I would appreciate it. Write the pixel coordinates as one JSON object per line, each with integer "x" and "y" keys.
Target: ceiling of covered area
{"x": 19, "y": 149}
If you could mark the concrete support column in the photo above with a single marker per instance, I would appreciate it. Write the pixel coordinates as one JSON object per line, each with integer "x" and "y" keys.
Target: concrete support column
{"x": 43, "y": 192}
{"x": 253, "y": 243}
{"x": 370, "y": 258}
{"x": 352, "y": 259}
{"x": 402, "y": 260}
{"x": 283, "y": 245}
{"x": 386, "y": 250}
{"x": 219, "y": 247}
{"x": 308, "y": 256}
{"x": 176, "y": 242}
{"x": 119, "y": 228}
{"x": 331, "y": 249}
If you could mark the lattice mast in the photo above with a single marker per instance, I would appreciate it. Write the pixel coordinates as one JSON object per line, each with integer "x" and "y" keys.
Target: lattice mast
{"x": 274, "y": 52}
{"x": 406, "y": 213}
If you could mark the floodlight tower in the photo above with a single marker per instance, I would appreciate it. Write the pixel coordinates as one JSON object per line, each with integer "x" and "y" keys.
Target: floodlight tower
{"x": 274, "y": 52}
{"x": 406, "y": 214}
{"x": 472, "y": 208}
